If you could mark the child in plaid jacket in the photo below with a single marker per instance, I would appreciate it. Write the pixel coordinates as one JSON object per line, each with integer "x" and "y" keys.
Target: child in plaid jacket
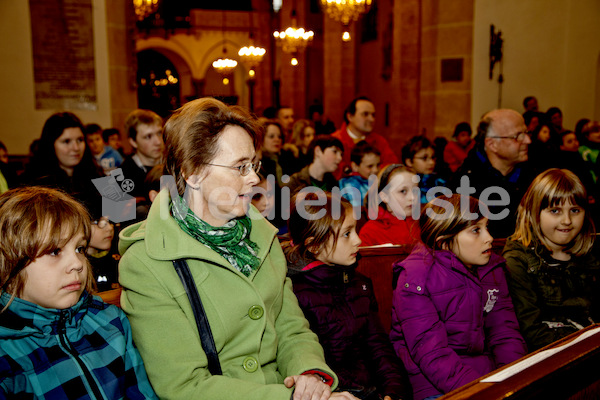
{"x": 56, "y": 340}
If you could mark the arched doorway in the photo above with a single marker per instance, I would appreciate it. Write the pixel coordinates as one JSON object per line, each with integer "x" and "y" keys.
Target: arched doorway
{"x": 158, "y": 83}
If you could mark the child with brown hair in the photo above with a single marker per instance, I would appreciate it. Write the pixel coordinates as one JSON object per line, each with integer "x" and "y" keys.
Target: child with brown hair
{"x": 339, "y": 302}
{"x": 452, "y": 316}
{"x": 56, "y": 339}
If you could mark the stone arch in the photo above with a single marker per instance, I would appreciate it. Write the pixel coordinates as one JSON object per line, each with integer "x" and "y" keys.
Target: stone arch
{"x": 182, "y": 61}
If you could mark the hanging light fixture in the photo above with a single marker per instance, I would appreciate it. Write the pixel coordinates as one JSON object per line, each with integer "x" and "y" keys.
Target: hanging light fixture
{"x": 346, "y": 11}
{"x": 293, "y": 40}
{"x": 225, "y": 65}
{"x": 144, "y": 8}
{"x": 251, "y": 56}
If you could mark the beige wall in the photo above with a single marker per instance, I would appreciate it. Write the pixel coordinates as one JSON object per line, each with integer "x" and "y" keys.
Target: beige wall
{"x": 21, "y": 122}
{"x": 551, "y": 51}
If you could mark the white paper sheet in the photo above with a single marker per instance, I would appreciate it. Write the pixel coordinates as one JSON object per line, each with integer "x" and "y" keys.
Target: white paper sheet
{"x": 536, "y": 358}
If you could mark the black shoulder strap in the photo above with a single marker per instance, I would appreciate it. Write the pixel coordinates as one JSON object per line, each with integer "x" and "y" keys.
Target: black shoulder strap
{"x": 206, "y": 337}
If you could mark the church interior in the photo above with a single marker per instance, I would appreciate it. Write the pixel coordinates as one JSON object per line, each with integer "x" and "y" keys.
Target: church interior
{"x": 426, "y": 64}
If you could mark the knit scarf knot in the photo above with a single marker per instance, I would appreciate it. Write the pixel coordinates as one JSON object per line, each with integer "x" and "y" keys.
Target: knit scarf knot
{"x": 232, "y": 240}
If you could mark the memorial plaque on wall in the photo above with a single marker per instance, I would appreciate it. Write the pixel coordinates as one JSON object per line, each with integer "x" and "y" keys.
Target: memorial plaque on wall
{"x": 63, "y": 54}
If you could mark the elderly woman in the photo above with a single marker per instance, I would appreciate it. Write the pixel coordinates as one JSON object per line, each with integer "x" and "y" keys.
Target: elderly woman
{"x": 264, "y": 345}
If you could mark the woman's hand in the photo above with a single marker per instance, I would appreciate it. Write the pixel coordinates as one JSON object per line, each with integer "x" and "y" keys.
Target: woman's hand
{"x": 308, "y": 387}
{"x": 311, "y": 387}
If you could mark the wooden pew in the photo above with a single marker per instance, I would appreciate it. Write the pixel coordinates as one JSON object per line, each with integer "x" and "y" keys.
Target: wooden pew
{"x": 111, "y": 296}
{"x": 376, "y": 263}
{"x": 573, "y": 373}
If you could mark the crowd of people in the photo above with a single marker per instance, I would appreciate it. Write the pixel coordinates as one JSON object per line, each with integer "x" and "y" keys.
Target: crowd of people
{"x": 238, "y": 264}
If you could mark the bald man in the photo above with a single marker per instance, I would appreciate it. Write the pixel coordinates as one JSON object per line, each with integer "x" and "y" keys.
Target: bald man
{"x": 497, "y": 168}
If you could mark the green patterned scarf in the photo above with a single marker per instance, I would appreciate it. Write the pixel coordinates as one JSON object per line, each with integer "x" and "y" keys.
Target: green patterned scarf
{"x": 232, "y": 240}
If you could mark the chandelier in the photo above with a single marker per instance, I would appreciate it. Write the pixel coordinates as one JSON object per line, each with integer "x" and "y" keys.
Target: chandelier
{"x": 346, "y": 11}
{"x": 144, "y": 8}
{"x": 224, "y": 66}
{"x": 251, "y": 57}
{"x": 293, "y": 39}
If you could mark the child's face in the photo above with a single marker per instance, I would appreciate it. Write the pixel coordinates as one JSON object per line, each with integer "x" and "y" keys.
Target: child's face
{"x": 400, "y": 195}
{"x": 463, "y": 138}
{"x": 95, "y": 143}
{"x": 103, "y": 233}
{"x": 346, "y": 248}
{"x": 424, "y": 161}
{"x": 272, "y": 141}
{"x": 473, "y": 245}
{"x": 369, "y": 165}
{"x": 594, "y": 136}
{"x": 561, "y": 224}
{"x": 263, "y": 202}
{"x": 570, "y": 142}
{"x": 544, "y": 134}
{"x": 556, "y": 119}
{"x": 57, "y": 280}
{"x": 330, "y": 158}
{"x": 114, "y": 141}
{"x": 308, "y": 136}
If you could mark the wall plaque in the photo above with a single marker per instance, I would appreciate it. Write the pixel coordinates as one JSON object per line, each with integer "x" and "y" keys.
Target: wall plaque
{"x": 63, "y": 54}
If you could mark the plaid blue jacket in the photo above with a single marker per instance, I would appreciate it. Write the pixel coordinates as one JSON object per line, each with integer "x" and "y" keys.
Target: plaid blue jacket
{"x": 83, "y": 352}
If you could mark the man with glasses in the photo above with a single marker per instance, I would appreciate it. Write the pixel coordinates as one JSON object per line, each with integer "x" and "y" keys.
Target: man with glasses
{"x": 498, "y": 164}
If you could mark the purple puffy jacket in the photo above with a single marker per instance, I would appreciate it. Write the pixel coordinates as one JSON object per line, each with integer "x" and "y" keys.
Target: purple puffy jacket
{"x": 450, "y": 327}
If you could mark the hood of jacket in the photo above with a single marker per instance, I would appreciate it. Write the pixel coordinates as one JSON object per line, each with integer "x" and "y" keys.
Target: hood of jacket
{"x": 23, "y": 318}
{"x": 164, "y": 240}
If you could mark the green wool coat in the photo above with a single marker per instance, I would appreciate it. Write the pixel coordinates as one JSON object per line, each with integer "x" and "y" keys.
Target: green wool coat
{"x": 260, "y": 332}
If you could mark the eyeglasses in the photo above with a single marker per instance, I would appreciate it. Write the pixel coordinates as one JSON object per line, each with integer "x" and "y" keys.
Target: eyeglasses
{"x": 519, "y": 136}
{"x": 101, "y": 223}
{"x": 243, "y": 169}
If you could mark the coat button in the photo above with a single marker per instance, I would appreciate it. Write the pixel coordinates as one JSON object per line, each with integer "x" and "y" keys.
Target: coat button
{"x": 255, "y": 312}
{"x": 406, "y": 285}
{"x": 418, "y": 288}
{"x": 250, "y": 364}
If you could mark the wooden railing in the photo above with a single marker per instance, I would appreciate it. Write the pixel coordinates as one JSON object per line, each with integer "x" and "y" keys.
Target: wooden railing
{"x": 572, "y": 373}
{"x": 376, "y": 263}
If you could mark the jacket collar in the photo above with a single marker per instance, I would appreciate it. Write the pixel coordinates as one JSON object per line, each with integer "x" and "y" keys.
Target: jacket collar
{"x": 23, "y": 318}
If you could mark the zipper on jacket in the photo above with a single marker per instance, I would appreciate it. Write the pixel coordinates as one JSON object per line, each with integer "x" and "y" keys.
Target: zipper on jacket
{"x": 62, "y": 334}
